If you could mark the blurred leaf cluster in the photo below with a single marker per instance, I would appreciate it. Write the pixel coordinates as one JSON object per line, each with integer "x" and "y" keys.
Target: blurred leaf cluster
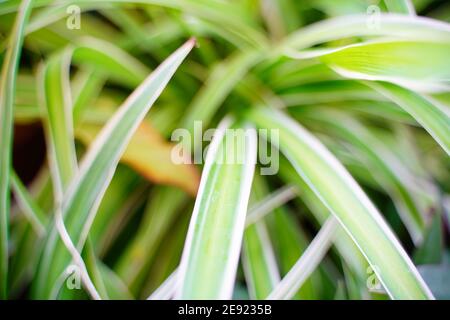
{"x": 359, "y": 91}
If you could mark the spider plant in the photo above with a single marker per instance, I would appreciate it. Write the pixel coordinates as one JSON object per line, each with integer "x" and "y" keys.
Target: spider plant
{"x": 208, "y": 149}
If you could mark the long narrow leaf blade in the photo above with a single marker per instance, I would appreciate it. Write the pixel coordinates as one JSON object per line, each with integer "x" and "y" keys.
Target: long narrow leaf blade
{"x": 7, "y": 89}
{"x": 309, "y": 260}
{"x": 400, "y": 6}
{"x": 260, "y": 268}
{"x": 32, "y": 211}
{"x": 433, "y": 118}
{"x": 164, "y": 207}
{"x": 86, "y": 190}
{"x": 343, "y": 242}
{"x": 345, "y": 199}
{"x": 258, "y": 258}
{"x": 56, "y": 105}
{"x": 387, "y": 169}
{"x": 392, "y": 60}
{"x": 387, "y": 24}
{"x": 211, "y": 252}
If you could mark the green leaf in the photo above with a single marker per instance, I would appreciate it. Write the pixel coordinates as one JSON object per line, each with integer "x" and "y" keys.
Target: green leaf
{"x": 345, "y": 199}
{"x": 344, "y": 244}
{"x": 56, "y": 106}
{"x": 150, "y": 155}
{"x": 289, "y": 241}
{"x": 309, "y": 260}
{"x": 244, "y": 59}
{"x": 433, "y": 117}
{"x": 432, "y": 249}
{"x": 390, "y": 25}
{"x": 228, "y": 15}
{"x": 92, "y": 266}
{"x": 414, "y": 64}
{"x": 259, "y": 262}
{"x": 222, "y": 79}
{"x": 163, "y": 208}
{"x": 111, "y": 60}
{"x": 258, "y": 258}
{"x": 114, "y": 286}
{"x": 125, "y": 191}
{"x": 86, "y": 190}
{"x": 109, "y": 284}
{"x": 168, "y": 256}
{"x": 400, "y": 6}
{"x": 7, "y": 93}
{"x": 32, "y": 211}
{"x": 386, "y": 168}
{"x": 270, "y": 203}
{"x": 25, "y": 258}
{"x": 211, "y": 253}
{"x": 86, "y": 85}
{"x": 166, "y": 290}
{"x": 328, "y": 92}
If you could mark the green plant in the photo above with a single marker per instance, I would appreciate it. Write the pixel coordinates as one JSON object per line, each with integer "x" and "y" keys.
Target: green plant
{"x": 351, "y": 98}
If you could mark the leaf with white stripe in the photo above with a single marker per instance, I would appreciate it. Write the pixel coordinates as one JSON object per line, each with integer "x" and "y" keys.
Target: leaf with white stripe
{"x": 401, "y": 6}
{"x": 97, "y": 168}
{"x": 56, "y": 105}
{"x": 307, "y": 263}
{"x": 429, "y": 113}
{"x": 258, "y": 257}
{"x": 392, "y": 61}
{"x": 386, "y": 25}
{"x": 335, "y": 187}
{"x": 260, "y": 268}
{"x": 7, "y": 93}
{"x": 211, "y": 253}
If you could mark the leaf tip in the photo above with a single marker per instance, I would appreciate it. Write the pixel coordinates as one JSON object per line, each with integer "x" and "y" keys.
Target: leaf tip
{"x": 192, "y": 42}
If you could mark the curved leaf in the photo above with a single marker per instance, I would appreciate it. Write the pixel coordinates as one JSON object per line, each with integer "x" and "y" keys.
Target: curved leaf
{"x": 434, "y": 118}
{"x": 345, "y": 199}
{"x": 7, "y": 93}
{"x": 415, "y": 64}
{"x": 86, "y": 190}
